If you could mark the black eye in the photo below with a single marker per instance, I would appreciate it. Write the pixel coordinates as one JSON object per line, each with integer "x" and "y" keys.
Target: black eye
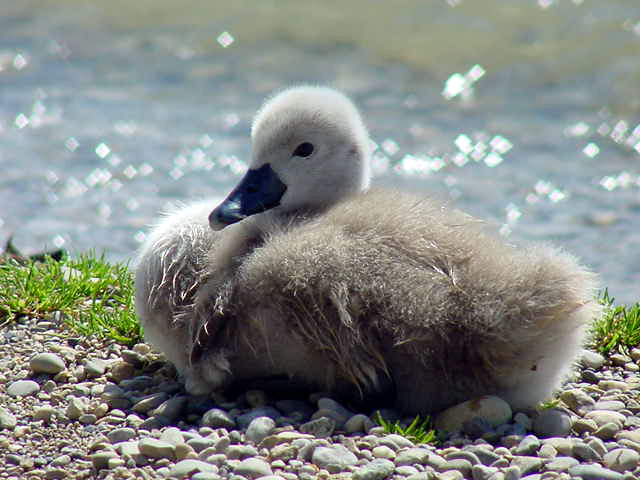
{"x": 303, "y": 150}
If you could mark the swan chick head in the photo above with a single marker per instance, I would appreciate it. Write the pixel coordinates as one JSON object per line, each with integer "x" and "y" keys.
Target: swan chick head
{"x": 310, "y": 149}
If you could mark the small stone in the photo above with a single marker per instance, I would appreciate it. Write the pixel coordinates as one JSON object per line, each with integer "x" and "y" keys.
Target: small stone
{"x": 591, "y": 359}
{"x": 46, "y": 363}
{"x": 412, "y": 456}
{"x": 149, "y": 402}
{"x": 561, "y": 464}
{"x": 334, "y": 459}
{"x": 44, "y": 413}
{"x": 578, "y": 401}
{"x": 142, "y": 348}
{"x": 620, "y": 360}
{"x": 173, "y": 436}
{"x": 584, "y": 425}
{"x": 121, "y": 371}
{"x": 184, "y": 451}
{"x": 585, "y": 452}
{"x": 383, "y": 451}
{"x": 200, "y": 444}
{"x": 481, "y": 472}
{"x": 56, "y": 474}
{"x": 283, "y": 437}
{"x": 121, "y": 435}
{"x": 101, "y": 459}
{"x": 95, "y": 367}
{"x": 613, "y": 405}
{"x": 132, "y": 357}
{"x": 547, "y": 451}
{"x": 217, "y": 418}
{"x": 406, "y": 470}
{"x": 153, "y": 448}
{"x": 7, "y": 419}
{"x": 88, "y": 419}
{"x": 259, "y": 429}
{"x": 451, "y": 475}
{"x": 23, "y": 388}
{"x": 605, "y": 416}
{"x": 523, "y": 419}
{"x": 253, "y": 468}
{"x": 594, "y": 472}
{"x": 76, "y": 408}
{"x": 460, "y": 465}
{"x": 613, "y": 385}
{"x": 240, "y": 452}
{"x": 284, "y": 452}
{"x": 607, "y": 431}
{"x": 245, "y": 419}
{"x": 356, "y": 423}
{"x": 622, "y": 459}
{"x": 491, "y": 408}
{"x": 186, "y": 468}
{"x": 486, "y": 456}
{"x": 527, "y": 464}
{"x": 321, "y": 427}
{"x": 61, "y": 461}
{"x": 527, "y": 446}
{"x": 375, "y": 470}
{"x": 171, "y": 409}
{"x": 552, "y": 423}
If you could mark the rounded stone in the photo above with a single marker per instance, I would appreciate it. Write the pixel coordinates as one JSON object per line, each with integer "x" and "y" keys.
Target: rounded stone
{"x": 46, "y": 363}
{"x": 321, "y": 427}
{"x": 591, "y": 359}
{"x": 383, "y": 451}
{"x": 76, "y": 408}
{"x": 186, "y": 468}
{"x": 355, "y": 423}
{"x": 412, "y": 456}
{"x": 149, "y": 402}
{"x": 253, "y": 468}
{"x": 578, "y": 400}
{"x": 259, "y": 429}
{"x": 122, "y": 371}
{"x": 95, "y": 367}
{"x": 552, "y": 423}
{"x": 100, "y": 460}
{"x": 7, "y": 419}
{"x": 23, "y": 388}
{"x": 150, "y": 447}
{"x": 217, "y": 418}
{"x": 622, "y": 459}
{"x": 375, "y": 470}
{"x": 490, "y": 408}
{"x": 121, "y": 434}
{"x": 45, "y": 413}
{"x": 602, "y": 417}
{"x": 334, "y": 459}
{"x": 594, "y": 472}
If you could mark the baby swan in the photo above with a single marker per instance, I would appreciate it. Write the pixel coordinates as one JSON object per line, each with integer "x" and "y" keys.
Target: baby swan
{"x": 303, "y": 272}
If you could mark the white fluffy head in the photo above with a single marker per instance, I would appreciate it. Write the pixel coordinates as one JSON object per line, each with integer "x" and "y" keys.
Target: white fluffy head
{"x": 329, "y": 121}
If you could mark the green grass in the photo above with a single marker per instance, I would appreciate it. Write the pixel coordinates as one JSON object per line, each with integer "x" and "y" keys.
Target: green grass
{"x": 94, "y": 297}
{"x": 418, "y": 431}
{"x": 619, "y": 327}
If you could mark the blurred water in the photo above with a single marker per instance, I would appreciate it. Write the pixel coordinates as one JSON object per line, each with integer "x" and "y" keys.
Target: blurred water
{"x": 526, "y": 113}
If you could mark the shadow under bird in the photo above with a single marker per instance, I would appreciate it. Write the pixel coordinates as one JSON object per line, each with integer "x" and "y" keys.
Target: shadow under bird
{"x": 305, "y": 272}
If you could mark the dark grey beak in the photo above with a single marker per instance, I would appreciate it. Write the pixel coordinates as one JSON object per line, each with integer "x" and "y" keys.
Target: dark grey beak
{"x": 259, "y": 190}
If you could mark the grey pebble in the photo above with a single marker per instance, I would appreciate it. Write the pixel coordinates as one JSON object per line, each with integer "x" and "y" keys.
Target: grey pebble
{"x": 56, "y": 474}
{"x": 561, "y": 464}
{"x": 46, "y": 363}
{"x": 321, "y": 427}
{"x": 7, "y": 419}
{"x": 186, "y": 468}
{"x": 622, "y": 459}
{"x": 151, "y": 447}
{"x": 259, "y": 429}
{"x": 240, "y": 452}
{"x": 527, "y": 464}
{"x": 100, "y": 460}
{"x": 607, "y": 431}
{"x": 217, "y": 418}
{"x": 594, "y": 472}
{"x": 461, "y": 465}
{"x": 45, "y": 413}
{"x": 23, "y": 388}
{"x": 482, "y": 472}
{"x": 121, "y": 434}
{"x": 245, "y": 419}
{"x": 253, "y": 468}
{"x": 355, "y": 423}
{"x": 406, "y": 470}
{"x": 486, "y": 456}
{"x": 552, "y": 423}
{"x": 171, "y": 408}
{"x": 585, "y": 452}
{"x": 424, "y": 476}
{"x": 613, "y": 405}
{"x": 334, "y": 458}
{"x": 95, "y": 367}
{"x": 412, "y": 456}
{"x": 590, "y": 359}
{"x": 578, "y": 400}
{"x": 527, "y": 446}
{"x": 200, "y": 444}
{"x": 375, "y": 470}
{"x": 605, "y": 416}
{"x": 464, "y": 455}
{"x": 172, "y": 435}
{"x": 149, "y": 402}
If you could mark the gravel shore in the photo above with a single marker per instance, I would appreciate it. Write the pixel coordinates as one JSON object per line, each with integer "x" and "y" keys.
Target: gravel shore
{"x": 79, "y": 408}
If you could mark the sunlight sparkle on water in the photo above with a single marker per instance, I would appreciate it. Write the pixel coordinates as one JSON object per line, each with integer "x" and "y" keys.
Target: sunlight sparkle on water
{"x": 102, "y": 150}
{"x": 591, "y": 150}
{"x": 71, "y": 144}
{"x": 21, "y": 120}
{"x": 225, "y": 39}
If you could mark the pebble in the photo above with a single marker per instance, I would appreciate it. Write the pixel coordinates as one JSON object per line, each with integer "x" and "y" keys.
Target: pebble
{"x": 100, "y": 460}
{"x": 259, "y": 429}
{"x": 374, "y": 470}
{"x": 149, "y": 402}
{"x": 76, "y": 407}
{"x": 490, "y": 408}
{"x": 45, "y": 413}
{"x": 594, "y": 472}
{"x": 334, "y": 458}
{"x": 527, "y": 464}
{"x": 95, "y": 367}
{"x": 602, "y": 417}
{"x": 46, "y": 363}
{"x": 172, "y": 408}
{"x": 23, "y": 388}
{"x": 356, "y": 423}
{"x": 186, "y": 468}
{"x": 154, "y": 448}
{"x": 622, "y": 459}
{"x": 592, "y": 359}
{"x": 578, "y": 401}
{"x": 321, "y": 427}
{"x": 552, "y": 422}
{"x": 245, "y": 419}
{"x": 122, "y": 371}
{"x": 121, "y": 435}
{"x": 412, "y": 456}
{"x": 217, "y": 418}
{"x": 7, "y": 419}
{"x": 528, "y": 446}
{"x": 253, "y": 468}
